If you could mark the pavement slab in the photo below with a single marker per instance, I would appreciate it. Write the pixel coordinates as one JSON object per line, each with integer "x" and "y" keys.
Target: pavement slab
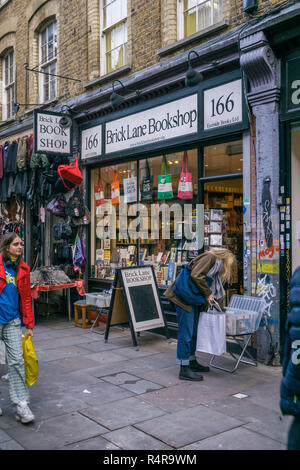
{"x": 272, "y": 426}
{"x": 122, "y": 413}
{"x": 179, "y": 397}
{"x": 95, "y": 443}
{"x": 56, "y": 432}
{"x": 132, "y": 438}
{"x": 242, "y": 409}
{"x": 236, "y": 439}
{"x": 187, "y": 426}
{"x": 99, "y": 394}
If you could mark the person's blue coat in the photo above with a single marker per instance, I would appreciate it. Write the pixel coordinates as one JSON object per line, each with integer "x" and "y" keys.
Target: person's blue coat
{"x": 290, "y": 384}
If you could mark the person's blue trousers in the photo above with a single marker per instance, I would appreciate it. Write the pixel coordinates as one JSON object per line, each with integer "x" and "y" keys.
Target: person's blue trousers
{"x": 187, "y": 335}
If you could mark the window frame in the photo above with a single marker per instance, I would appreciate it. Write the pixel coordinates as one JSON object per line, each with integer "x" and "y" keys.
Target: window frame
{"x": 180, "y": 17}
{"x": 103, "y": 37}
{"x": 8, "y": 90}
{"x": 45, "y": 80}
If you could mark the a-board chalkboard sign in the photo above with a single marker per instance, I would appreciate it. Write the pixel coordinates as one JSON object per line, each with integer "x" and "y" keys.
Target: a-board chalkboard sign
{"x": 135, "y": 300}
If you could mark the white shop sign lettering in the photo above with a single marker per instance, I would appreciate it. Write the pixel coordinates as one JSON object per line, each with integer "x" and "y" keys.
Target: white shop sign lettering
{"x": 223, "y": 105}
{"x": 50, "y": 137}
{"x": 91, "y": 143}
{"x": 167, "y": 121}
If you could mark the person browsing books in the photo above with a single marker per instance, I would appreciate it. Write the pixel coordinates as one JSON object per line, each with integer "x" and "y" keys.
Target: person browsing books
{"x": 218, "y": 266}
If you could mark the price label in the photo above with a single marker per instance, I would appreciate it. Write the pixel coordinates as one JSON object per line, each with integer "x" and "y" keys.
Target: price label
{"x": 91, "y": 143}
{"x": 223, "y": 105}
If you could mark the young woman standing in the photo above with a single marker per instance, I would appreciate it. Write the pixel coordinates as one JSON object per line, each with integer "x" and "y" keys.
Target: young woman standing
{"x": 15, "y": 303}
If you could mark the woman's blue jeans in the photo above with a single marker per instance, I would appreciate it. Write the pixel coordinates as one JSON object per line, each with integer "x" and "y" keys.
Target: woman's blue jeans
{"x": 187, "y": 335}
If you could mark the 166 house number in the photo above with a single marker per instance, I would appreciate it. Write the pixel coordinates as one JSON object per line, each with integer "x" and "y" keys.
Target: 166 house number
{"x": 223, "y": 105}
{"x": 91, "y": 142}
{"x": 218, "y": 107}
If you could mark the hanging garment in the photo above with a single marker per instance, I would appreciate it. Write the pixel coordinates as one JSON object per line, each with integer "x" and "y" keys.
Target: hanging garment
{"x": 1, "y": 163}
{"x": 29, "y": 149}
{"x": 22, "y": 153}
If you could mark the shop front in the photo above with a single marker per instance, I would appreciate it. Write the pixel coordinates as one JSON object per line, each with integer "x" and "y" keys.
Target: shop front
{"x": 290, "y": 173}
{"x": 136, "y": 162}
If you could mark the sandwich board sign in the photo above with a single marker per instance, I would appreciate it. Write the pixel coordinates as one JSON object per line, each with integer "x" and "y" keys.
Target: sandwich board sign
{"x": 135, "y": 300}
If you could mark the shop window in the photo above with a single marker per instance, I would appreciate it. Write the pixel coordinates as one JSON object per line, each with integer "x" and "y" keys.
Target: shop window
{"x": 8, "y": 70}
{"x": 113, "y": 47}
{"x": 48, "y": 62}
{"x": 223, "y": 159}
{"x": 197, "y": 15}
{"x": 150, "y": 230}
{"x": 223, "y": 204}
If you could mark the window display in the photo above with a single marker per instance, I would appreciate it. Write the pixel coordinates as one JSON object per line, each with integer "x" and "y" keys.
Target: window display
{"x": 139, "y": 215}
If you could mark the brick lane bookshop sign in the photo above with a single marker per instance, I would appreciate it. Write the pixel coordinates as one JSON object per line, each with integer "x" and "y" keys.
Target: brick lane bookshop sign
{"x": 49, "y": 137}
{"x": 168, "y": 121}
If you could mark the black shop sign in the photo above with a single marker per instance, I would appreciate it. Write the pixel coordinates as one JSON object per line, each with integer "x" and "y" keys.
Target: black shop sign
{"x": 49, "y": 137}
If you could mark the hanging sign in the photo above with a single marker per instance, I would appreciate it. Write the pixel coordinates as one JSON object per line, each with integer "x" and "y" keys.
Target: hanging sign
{"x": 91, "y": 142}
{"x": 175, "y": 119}
{"x": 49, "y": 137}
{"x": 136, "y": 300}
{"x": 223, "y": 106}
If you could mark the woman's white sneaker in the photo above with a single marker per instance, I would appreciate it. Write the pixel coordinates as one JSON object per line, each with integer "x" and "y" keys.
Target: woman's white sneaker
{"x": 5, "y": 378}
{"x": 24, "y": 414}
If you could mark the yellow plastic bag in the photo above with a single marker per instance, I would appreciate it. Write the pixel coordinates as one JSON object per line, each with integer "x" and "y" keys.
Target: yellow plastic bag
{"x": 30, "y": 361}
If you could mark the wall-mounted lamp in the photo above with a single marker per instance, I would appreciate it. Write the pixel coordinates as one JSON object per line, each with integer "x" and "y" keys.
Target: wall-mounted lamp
{"x": 16, "y": 106}
{"x": 192, "y": 77}
{"x": 66, "y": 120}
{"x": 115, "y": 99}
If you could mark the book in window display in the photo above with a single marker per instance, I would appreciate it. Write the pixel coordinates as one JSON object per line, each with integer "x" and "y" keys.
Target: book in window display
{"x": 216, "y": 215}
{"x": 215, "y": 227}
{"x": 216, "y": 240}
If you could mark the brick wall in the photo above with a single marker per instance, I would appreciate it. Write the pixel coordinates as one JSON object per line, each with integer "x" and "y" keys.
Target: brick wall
{"x": 152, "y": 25}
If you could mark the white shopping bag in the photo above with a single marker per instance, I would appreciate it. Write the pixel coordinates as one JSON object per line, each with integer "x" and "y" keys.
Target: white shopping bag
{"x": 211, "y": 336}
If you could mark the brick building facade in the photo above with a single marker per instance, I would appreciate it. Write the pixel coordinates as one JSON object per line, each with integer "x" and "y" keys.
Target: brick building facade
{"x": 147, "y": 46}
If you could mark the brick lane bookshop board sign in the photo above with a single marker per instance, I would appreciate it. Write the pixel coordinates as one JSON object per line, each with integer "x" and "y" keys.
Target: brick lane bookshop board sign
{"x": 136, "y": 300}
{"x": 168, "y": 121}
{"x": 49, "y": 137}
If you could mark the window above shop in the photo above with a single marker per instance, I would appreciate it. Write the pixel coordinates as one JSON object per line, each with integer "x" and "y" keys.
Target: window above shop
{"x": 48, "y": 62}
{"x": 197, "y": 15}
{"x": 8, "y": 79}
{"x": 113, "y": 35}
{"x": 223, "y": 159}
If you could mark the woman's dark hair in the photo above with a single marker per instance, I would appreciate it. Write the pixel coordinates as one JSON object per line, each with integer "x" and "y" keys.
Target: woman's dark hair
{"x": 5, "y": 242}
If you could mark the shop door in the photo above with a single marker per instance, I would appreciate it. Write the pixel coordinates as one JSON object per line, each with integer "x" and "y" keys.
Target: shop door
{"x": 222, "y": 195}
{"x": 295, "y": 170}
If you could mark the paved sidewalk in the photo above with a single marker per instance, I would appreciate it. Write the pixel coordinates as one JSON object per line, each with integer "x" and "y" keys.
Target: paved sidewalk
{"x": 92, "y": 395}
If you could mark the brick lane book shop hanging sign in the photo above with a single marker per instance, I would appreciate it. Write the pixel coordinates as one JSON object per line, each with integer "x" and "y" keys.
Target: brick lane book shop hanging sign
{"x": 136, "y": 300}
{"x": 49, "y": 137}
{"x": 168, "y": 121}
